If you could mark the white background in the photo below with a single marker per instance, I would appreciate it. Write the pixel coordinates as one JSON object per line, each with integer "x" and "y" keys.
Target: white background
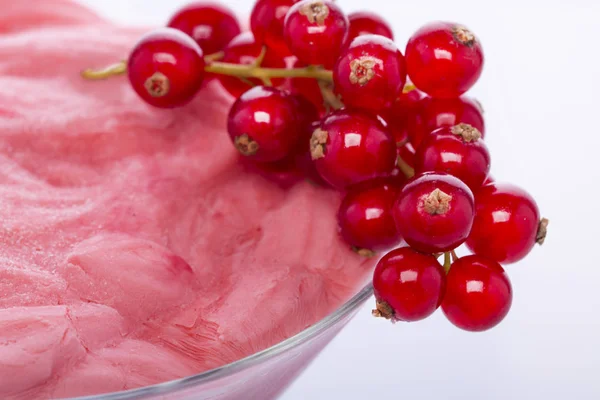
{"x": 540, "y": 92}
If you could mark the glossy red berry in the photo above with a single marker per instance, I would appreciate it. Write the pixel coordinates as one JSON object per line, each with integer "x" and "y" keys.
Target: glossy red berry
{"x": 478, "y": 294}
{"x": 436, "y": 113}
{"x": 444, "y": 59}
{"x": 166, "y": 68}
{"x": 211, "y": 25}
{"x": 368, "y": 23}
{"x": 434, "y": 212}
{"x": 365, "y": 216}
{"x": 507, "y": 223}
{"x": 244, "y": 50}
{"x": 457, "y": 150}
{"x": 351, "y": 147}
{"x": 263, "y": 124}
{"x": 370, "y": 74}
{"x": 409, "y": 286}
{"x": 266, "y": 22}
{"x": 315, "y": 32}
{"x": 402, "y": 116}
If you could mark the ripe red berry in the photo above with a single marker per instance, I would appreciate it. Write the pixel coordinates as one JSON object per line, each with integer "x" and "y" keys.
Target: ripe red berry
{"x": 244, "y": 50}
{"x": 402, "y": 116}
{"x": 263, "y": 124}
{"x": 266, "y": 23}
{"x": 371, "y": 73}
{"x": 315, "y": 31}
{"x": 367, "y": 23}
{"x": 351, "y": 147}
{"x": 457, "y": 150}
{"x": 507, "y": 224}
{"x": 211, "y": 25}
{"x": 166, "y": 68}
{"x": 434, "y": 212}
{"x": 365, "y": 216}
{"x": 436, "y": 113}
{"x": 478, "y": 294}
{"x": 409, "y": 286}
{"x": 444, "y": 59}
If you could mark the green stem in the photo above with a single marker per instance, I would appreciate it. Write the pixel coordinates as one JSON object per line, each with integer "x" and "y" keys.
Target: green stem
{"x": 447, "y": 262}
{"x": 229, "y": 69}
{"x": 251, "y": 71}
{"x": 406, "y": 169}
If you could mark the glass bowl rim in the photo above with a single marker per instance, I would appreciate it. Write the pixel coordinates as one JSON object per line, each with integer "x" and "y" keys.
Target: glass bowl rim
{"x": 217, "y": 373}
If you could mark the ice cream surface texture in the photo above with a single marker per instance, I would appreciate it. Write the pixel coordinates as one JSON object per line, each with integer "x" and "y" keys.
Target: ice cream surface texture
{"x": 135, "y": 247}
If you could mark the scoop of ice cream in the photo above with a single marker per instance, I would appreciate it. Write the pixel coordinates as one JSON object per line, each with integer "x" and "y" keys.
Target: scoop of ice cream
{"x": 135, "y": 247}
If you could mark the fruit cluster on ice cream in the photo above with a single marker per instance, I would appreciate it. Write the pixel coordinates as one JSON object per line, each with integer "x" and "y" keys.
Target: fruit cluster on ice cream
{"x": 135, "y": 248}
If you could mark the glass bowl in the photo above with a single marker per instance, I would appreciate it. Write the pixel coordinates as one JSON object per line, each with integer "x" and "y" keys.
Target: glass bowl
{"x": 263, "y": 375}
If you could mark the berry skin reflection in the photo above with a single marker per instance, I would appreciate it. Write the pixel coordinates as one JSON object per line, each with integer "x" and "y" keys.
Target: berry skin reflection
{"x": 332, "y": 98}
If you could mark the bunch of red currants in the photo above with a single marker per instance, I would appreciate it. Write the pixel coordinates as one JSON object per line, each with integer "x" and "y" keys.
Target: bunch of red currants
{"x": 327, "y": 94}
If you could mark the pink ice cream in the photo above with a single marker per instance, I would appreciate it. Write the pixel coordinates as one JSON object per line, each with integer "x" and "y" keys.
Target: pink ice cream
{"x": 135, "y": 248}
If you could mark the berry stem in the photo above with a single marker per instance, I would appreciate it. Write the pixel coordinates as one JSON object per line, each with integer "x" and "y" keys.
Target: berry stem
{"x": 406, "y": 169}
{"x": 112, "y": 70}
{"x": 221, "y": 68}
{"x": 447, "y": 261}
{"x": 454, "y": 256}
{"x": 251, "y": 71}
{"x": 329, "y": 97}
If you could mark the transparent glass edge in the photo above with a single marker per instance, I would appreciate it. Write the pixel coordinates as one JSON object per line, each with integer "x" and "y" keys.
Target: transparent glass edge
{"x": 312, "y": 331}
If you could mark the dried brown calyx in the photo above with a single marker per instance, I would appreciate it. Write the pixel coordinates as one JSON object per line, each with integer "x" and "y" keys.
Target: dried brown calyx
{"x": 362, "y": 70}
{"x": 468, "y": 132}
{"x": 364, "y": 252}
{"x": 158, "y": 85}
{"x": 317, "y": 143}
{"x": 383, "y": 310}
{"x": 246, "y": 145}
{"x": 437, "y": 203}
{"x": 542, "y": 231}
{"x": 315, "y": 12}
{"x": 463, "y": 35}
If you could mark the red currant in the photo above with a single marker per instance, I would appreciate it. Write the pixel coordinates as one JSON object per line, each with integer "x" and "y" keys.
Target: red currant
{"x": 478, "y": 294}
{"x": 244, "y": 50}
{"x": 366, "y": 23}
{"x": 266, "y": 22}
{"x": 315, "y": 31}
{"x": 409, "y": 286}
{"x": 434, "y": 212}
{"x": 436, "y": 113}
{"x": 507, "y": 224}
{"x": 351, "y": 147}
{"x": 263, "y": 124}
{"x": 402, "y": 115}
{"x": 365, "y": 216}
{"x": 370, "y": 74}
{"x": 211, "y": 25}
{"x": 444, "y": 59}
{"x": 166, "y": 68}
{"x": 457, "y": 150}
